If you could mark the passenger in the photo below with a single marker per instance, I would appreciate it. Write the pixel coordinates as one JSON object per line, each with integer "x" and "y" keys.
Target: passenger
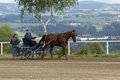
{"x": 29, "y": 39}
{"x": 15, "y": 41}
{"x": 28, "y": 35}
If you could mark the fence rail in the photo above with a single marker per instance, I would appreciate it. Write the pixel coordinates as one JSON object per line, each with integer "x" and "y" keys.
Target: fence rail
{"x": 1, "y": 46}
{"x": 69, "y": 42}
{"x": 107, "y": 44}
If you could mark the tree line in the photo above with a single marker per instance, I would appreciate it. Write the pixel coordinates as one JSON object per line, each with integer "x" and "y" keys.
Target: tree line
{"x": 109, "y": 30}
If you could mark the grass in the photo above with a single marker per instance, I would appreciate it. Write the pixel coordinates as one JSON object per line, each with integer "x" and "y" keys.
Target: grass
{"x": 110, "y": 12}
{"x": 112, "y": 55}
{"x": 6, "y": 55}
{"x": 16, "y": 25}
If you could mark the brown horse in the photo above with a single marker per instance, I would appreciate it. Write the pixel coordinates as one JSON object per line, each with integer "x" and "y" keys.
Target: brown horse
{"x": 57, "y": 40}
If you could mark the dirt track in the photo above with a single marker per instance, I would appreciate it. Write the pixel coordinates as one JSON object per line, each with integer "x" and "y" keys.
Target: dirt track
{"x": 73, "y": 69}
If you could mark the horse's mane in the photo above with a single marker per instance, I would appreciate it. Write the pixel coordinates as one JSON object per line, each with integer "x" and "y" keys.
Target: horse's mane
{"x": 68, "y": 33}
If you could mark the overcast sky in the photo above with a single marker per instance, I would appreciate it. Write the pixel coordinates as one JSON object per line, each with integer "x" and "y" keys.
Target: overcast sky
{"x": 107, "y": 1}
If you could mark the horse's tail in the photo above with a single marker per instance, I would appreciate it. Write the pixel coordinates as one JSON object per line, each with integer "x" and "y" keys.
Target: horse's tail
{"x": 41, "y": 42}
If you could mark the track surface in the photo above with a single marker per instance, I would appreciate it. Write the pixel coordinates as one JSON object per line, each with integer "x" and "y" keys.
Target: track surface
{"x": 60, "y": 69}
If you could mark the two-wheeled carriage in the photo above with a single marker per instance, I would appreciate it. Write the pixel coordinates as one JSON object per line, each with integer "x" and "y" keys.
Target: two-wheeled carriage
{"x": 27, "y": 52}
{"x": 49, "y": 41}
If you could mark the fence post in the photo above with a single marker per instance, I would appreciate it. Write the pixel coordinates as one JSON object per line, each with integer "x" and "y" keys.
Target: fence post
{"x": 68, "y": 47}
{"x": 107, "y": 46}
{"x": 1, "y": 48}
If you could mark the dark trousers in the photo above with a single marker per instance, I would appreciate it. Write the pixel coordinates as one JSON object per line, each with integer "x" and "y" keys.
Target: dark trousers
{"x": 15, "y": 50}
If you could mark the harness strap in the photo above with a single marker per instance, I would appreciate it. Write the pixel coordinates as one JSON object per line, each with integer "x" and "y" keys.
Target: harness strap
{"x": 49, "y": 42}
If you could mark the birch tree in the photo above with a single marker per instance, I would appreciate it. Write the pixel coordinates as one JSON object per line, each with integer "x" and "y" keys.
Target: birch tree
{"x": 38, "y": 7}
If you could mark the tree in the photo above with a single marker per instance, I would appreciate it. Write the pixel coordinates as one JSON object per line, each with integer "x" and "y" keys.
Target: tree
{"x": 92, "y": 30}
{"x": 37, "y": 8}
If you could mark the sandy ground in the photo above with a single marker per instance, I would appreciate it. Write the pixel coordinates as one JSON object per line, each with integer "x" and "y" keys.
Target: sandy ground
{"x": 60, "y": 69}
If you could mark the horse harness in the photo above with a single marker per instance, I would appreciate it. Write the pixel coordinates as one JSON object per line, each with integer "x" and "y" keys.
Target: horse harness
{"x": 45, "y": 44}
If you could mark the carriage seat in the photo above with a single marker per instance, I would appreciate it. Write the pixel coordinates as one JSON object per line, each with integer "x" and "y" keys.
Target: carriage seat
{"x": 28, "y": 42}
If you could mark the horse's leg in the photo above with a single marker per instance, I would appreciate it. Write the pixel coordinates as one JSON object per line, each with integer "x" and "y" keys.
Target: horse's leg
{"x": 64, "y": 51}
{"x": 66, "y": 55}
{"x": 51, "y": 48}
{"x": 42, "y": 54}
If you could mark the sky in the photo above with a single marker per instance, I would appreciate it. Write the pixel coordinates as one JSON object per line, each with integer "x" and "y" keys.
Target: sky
{"x": 107, "y": 1}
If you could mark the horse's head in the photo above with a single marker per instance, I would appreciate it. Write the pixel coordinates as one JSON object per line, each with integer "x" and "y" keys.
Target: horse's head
{"x": 73, "y": 35}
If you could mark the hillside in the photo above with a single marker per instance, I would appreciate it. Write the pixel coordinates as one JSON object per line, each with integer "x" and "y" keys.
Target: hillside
{"x": 9, "y": 8}
{"x": 88, "y": 17}
{"x": 92, "y": 5}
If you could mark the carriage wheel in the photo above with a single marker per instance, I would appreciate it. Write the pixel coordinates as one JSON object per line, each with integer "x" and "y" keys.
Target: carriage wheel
{"x": 28, "y": 55}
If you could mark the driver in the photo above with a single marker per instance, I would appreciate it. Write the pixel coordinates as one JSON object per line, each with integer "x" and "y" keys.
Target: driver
{"x": 29, "y": 39}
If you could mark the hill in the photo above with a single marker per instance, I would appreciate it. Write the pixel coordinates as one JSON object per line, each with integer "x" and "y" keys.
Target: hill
{"x": 92, "y": 5}
{"x": 88, "y": 17}
{"x": 9, "y": 8}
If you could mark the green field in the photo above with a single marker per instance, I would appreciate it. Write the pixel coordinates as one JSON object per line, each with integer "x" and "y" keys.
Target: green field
{"x": 111, "y": 55}
{"x": 16, "y": 25}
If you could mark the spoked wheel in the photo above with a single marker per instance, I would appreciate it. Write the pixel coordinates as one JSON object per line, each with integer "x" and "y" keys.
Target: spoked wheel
{"x": 17, "y": 54}
{"x": 29, "y": 55}
{"x": 38, "y": 55}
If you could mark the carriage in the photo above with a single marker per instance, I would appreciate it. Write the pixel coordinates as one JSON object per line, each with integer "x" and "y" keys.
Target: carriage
{"x": 26, "y": 51}
{"x": 47, "y": 41}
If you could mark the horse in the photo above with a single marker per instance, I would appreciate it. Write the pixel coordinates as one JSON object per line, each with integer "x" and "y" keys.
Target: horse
{"x": 57, "y": 40}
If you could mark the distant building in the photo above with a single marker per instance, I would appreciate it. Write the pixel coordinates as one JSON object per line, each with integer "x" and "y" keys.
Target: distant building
{"x": 74, "y": 24}
{"x": 109, "y": 22}
{"x": 86, "y": 35}
{"x": 90, "y": 37}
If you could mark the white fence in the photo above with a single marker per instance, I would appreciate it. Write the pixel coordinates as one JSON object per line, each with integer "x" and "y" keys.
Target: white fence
{"x": 107, "y": 44}
{"x": 1, "y": 46}
{"x": 69, "y": 45}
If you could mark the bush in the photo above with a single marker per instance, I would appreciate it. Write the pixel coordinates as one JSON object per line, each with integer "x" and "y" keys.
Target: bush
{"x": 5, "y": 35}
{"x": 84, "y": 49}
{"x": 96, "y": 48}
